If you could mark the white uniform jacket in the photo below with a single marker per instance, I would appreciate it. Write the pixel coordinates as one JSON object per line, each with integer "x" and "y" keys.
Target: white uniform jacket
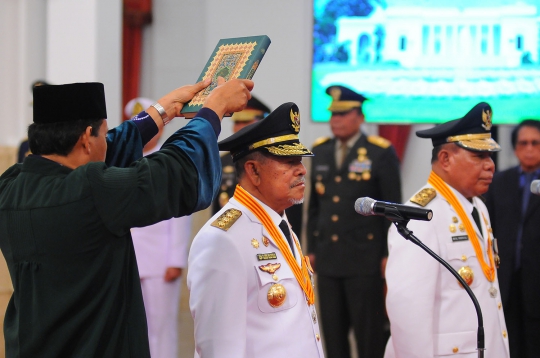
{"x": 430, "y": 314}
{"x": 228, "y": 294}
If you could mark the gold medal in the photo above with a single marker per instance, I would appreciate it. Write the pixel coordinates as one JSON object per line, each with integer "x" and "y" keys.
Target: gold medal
{"x": 255, "y": 243}
{"x": 497, "y": 259}
{"x": 467, "y": 275}
{"x": 352, "y": 175}
{"x": 366, "y": 175}
{"x": 276, "y": 295}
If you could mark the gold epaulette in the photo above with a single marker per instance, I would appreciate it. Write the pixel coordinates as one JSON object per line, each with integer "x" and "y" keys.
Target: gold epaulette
{"x": 320, "y": 141}
{"x": 227, "y": 219}
{"x": 424, "y": 196}
{"x": 379, "y": 141}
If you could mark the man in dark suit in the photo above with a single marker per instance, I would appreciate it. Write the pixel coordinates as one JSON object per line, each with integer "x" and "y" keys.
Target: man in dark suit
{"x": 515, "y": 215}
{"x": 349, "y": 251}
{"x": 254, "y": 111}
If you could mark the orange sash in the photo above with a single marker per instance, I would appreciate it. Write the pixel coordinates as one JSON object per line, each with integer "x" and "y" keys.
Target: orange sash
{"x": 448, "y": 194}
{"x": 301, "y": 274}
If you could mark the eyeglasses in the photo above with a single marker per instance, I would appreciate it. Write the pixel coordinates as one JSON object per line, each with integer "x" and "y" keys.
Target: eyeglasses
{"x": 525, "y": 143}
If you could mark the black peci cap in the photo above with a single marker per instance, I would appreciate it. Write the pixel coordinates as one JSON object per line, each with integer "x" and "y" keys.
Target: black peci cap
{"x": 277, "y": 133}
{"x": 344, "y": 99}
{"x": 472, "y": 132}
{"x": 69, "y": 102}
{"x": 254, "y": 110}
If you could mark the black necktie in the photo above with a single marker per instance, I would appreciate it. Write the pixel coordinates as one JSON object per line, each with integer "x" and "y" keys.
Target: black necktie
{"x": 285, "y": 228}
{"x": 476, "y": 218}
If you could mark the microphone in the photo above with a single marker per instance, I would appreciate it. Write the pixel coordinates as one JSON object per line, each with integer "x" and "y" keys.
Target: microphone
{"x": 367, "y": 206}
{"x": 535, "y": 187}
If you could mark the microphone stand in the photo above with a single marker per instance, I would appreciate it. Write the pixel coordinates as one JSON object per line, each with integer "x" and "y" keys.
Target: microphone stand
{"x": 400, "y": 222}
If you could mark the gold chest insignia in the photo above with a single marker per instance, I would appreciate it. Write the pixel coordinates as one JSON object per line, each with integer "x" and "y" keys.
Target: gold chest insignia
{"x": 424, "y": 196}
{"x": 265, "y": 241}
{"x": 466, "y": 274}
{"x": 227, "y": 219}
{"x": 276, "y": 295}
{"x": 270, "y": 268}
{"x": 255, "y": 243}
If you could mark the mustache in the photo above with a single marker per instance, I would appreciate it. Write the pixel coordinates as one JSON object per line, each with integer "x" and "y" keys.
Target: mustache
{"x": 302, "y": 180}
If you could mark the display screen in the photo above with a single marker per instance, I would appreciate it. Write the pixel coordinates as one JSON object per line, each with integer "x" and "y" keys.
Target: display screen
{"x": 420, "y": 61}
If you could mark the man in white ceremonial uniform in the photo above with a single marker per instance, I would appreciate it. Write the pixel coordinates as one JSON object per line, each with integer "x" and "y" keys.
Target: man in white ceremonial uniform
{"x": 161, "y": 250}
{"x": 430, "y": 313}
{"x": 251, "y": 292}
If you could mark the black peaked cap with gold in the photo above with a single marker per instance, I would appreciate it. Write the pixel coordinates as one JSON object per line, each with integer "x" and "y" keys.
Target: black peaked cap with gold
{"x": 472, "y": 132}
{"x": 344, "y": 99}
{"x": 276, "y": 134}
{"x": 69, "y": 102}
{"x": 254, "y": 110}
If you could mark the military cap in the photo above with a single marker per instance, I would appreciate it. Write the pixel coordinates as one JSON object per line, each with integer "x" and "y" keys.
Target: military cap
{"x": 254, "y": 110}
{"x": 472, "y": 132}
{"x": 344, "y": 99}
{"x": 137, "y": 105}
{"x": 69, "y": 102}
{"x": 276, "y": 134}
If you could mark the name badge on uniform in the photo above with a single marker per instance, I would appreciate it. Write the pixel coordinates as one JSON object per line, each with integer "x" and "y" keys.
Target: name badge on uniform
{"x": 267, "y": 256}
{"x": 460, "y": 238}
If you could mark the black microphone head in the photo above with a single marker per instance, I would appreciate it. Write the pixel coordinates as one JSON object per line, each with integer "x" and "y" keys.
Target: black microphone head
{"x": 364, "y": 206}
{"x": 535, "y": 187}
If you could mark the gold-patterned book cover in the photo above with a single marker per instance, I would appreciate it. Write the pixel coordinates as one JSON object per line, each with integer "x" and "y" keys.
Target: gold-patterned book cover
{"x": 232, "y": 58}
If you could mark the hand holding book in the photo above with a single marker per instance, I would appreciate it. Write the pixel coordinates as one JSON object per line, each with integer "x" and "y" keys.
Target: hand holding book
{"x": 232, "y": 58}
{"x": 229, "y": 96}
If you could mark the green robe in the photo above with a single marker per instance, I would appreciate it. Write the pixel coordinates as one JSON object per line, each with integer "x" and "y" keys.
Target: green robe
{"x": 66, "y": 238}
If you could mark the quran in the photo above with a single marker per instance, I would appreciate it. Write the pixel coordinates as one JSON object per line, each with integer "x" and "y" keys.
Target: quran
{"x": 232, "y": 58}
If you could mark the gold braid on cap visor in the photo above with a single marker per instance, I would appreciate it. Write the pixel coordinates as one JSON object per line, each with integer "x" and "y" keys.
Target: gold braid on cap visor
{"x": 280, "y": 139}
{"x": 245, "y": 115}
{"x": 459, "y": 138}
{"x": 343, "y": 106}
{"x": 479, "y": 141}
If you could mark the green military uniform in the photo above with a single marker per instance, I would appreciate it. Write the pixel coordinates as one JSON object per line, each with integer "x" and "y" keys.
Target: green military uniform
{"x": 65, "y": 234}
{"x": 349, "y": 248}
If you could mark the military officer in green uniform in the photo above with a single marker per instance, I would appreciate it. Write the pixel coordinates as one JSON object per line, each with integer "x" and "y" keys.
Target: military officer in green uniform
{"x": 348, "y": 251}
{"x": 254, "y": 111}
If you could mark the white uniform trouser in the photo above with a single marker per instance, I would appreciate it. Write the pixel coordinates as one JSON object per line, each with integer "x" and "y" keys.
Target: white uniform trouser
{"x": 161, "y": 301}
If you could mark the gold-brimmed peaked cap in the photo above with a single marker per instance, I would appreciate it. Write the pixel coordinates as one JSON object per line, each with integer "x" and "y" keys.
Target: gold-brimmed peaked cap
{"x": 277, "y": 134}
{"x": 472, "y": 132}
{"x": 255, "y": 110}
{"x": 344, "y": 99}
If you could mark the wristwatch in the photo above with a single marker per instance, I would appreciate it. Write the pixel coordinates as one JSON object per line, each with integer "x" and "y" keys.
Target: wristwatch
{"x": 162, "y": 113}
